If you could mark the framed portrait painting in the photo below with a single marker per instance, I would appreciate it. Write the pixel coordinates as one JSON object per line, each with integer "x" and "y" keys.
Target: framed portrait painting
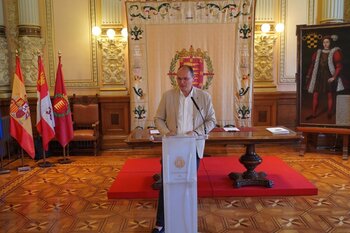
{"x": 323, "y": 76}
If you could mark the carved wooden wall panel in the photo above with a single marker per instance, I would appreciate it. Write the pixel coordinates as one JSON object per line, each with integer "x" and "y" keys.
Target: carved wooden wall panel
{"x": 115, "y": 121}
{"x": 264, "y": 112}
{"x": 286, "y": 110}
{"x": 275, "y": 108}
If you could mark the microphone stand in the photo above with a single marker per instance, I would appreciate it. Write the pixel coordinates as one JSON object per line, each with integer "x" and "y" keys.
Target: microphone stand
{"x": 200, "y": 113}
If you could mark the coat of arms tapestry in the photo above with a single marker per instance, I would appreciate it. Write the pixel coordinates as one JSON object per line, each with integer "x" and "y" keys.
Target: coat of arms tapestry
{"x": 214, "y": 37}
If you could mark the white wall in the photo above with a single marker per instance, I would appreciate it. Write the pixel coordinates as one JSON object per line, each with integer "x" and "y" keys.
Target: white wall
{"x": 296, "y": 14}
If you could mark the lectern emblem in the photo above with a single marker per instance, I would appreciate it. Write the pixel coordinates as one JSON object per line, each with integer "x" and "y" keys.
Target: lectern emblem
{"x": 179, "y": 162}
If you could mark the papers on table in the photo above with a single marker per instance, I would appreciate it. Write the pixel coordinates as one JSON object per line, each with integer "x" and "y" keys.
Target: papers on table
{"x": 155, "y": 135}
{"x": 231, "y": 129}
{"x": 154, "y": 131}
{"x": 278, "y": 130}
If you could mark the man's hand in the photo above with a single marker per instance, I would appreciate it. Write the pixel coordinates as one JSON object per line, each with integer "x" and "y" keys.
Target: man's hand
{"x": 171, "y": 133}
{"x": 331, "y": 79}
{"x": 191, "y": 133}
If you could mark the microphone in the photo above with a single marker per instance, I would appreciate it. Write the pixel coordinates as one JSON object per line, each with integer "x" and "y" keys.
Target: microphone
{"x": 195, "y": 104}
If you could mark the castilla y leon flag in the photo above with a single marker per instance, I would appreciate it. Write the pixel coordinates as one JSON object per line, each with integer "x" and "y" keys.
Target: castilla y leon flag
{"x": 20, "y": 121}
{"x": 45, "y": 122}
{"x": 61, "y": 108}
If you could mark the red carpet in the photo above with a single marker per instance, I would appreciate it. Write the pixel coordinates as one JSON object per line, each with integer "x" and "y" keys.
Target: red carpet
{"x": 135, "y": 179}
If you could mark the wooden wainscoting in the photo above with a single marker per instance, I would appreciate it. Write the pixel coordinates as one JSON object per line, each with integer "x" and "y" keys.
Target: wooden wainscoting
{"x": 270, "y": 109}
{"x": 275, "y": 108}
{"x": 114, "y": 117}
{"x": 115, "y": 121}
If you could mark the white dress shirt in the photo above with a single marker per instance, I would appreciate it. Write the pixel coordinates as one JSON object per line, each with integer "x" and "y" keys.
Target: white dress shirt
{"x": 185, "y": 117}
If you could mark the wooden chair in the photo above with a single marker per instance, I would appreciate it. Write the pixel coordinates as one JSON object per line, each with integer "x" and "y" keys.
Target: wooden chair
{"x": 85, "y": 123}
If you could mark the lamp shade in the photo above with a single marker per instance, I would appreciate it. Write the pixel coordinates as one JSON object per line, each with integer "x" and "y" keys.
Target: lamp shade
{"x": 265, "y": 27}
{"x": 110, "y": 33}
{"x": 124, "y": 32}
{"x": 96, "y": 31}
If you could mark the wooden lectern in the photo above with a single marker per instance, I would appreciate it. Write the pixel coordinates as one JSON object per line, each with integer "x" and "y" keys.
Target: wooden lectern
{"x": 180, "y": 184}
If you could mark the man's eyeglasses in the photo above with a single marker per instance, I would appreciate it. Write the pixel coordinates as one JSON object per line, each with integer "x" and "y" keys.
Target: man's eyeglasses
{"x": 182, "y": 79}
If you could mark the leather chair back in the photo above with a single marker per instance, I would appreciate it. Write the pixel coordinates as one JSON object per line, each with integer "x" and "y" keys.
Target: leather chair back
{"x": 85, "y": 114}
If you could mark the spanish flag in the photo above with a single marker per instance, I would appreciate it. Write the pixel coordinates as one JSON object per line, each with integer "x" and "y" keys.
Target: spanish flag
{"x": 45, "y": 121}
{"x": 20, "y": 121}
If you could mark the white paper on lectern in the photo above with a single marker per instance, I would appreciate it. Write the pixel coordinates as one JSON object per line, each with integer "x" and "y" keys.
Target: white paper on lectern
{"x": 180, "y": 184}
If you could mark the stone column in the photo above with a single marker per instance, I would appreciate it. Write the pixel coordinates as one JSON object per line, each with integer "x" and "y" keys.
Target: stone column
{"x": 29, "y": 41}
{"x": 113, "y": 51}
{"x": 265, "y": 10}
{"x": 332, "y": 11}
{"x": 4, "y": 65}
{"x": 111, "y": 12}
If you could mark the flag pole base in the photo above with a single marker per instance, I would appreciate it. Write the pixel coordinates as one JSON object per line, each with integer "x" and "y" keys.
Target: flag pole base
{"x": 64, "y": 161}
{"x": 24, "y": 168}
{"x": 4, "y": 171}
{"x": 45, "y": 164}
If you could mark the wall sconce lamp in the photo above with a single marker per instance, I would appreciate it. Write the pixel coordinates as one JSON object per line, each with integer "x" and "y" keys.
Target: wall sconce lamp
{"x": 266, "y": 27}
{"x": 124, "y": 33}
{"x": 269, "y": 33}
{"x": 109, "y": 36}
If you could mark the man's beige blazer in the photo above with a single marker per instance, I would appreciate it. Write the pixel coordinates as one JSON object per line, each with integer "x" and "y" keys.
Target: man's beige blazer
{"x": 166, "y": 116}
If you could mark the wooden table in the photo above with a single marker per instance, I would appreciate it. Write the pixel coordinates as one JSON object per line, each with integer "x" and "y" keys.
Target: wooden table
{"x": 246, "y": 136}
{"x": 345, "y": 132}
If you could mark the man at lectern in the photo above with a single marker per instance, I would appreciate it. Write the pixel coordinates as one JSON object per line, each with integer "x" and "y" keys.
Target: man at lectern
{"x": 184, "y": 111}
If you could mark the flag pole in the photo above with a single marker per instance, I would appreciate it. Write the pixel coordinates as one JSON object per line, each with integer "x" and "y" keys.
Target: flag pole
{"x": 45, "y": 117}
{"x": 20, "y": 120}
{"x": 65, "y": 160}
{"x": 45, "y": 163}
{"x": 63, "y": 117}
{"x": 23, "y": 168}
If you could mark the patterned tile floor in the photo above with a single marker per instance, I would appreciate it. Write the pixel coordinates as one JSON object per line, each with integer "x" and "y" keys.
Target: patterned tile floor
{"x": 72, "y": 198}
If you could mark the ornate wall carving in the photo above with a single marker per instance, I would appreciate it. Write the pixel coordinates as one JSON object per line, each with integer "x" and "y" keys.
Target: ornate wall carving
{"x": 347, "y": 11}
{"x": 4, "y": 65}
{"x": 29, "y": 48}
{"x": 113, "y": 62}
{"x": 263, "y": 57}
{"x": 266, "y": 12}
{"x": 24, "y": 39}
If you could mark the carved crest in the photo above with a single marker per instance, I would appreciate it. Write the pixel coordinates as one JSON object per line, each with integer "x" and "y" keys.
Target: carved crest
{"x": 60, "y": 105}
{"x": 200, "y": 62}
{"x": 179, "y": 162}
